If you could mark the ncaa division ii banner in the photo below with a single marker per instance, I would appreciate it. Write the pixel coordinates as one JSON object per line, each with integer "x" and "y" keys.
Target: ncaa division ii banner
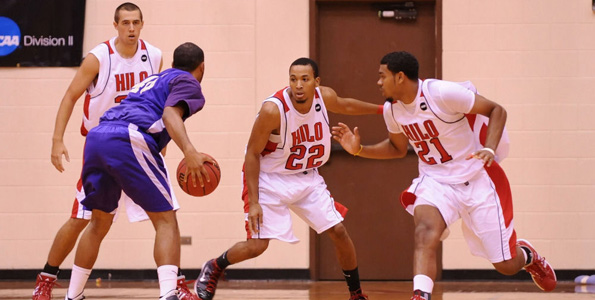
{"x": 41, "y": 33}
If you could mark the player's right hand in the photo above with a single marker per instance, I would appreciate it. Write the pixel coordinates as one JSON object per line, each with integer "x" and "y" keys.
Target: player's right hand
{"x": 350, "y": 141}
{"x": 254, "y": 217}
{"x": 59, "y": 149}
{"x": 195, "y": 167}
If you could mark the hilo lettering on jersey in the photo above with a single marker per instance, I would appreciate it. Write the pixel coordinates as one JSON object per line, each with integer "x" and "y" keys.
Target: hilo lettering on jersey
{"x": 117, "y": 75}
{"x": 441, "y": 140}
{"x": 304, "y": 140}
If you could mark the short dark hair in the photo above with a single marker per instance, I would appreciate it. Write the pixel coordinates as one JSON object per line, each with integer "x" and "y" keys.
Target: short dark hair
{"x": 402, "y": 61}
{"x": 304, "y": 61}
{"x": 188, "y": 56}
{"x": 127, "y": 6}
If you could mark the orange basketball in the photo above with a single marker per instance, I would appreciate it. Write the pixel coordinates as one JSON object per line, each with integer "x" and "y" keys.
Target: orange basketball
{"x": 214, "y": 176}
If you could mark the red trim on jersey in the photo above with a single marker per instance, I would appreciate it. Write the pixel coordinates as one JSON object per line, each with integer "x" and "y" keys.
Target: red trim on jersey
{"x": 471, "y": 119}
{"x": 142, "y": 45}
{"x": 483, "y": 131}
{"x": 279, "y": 95}
{"x": 269, "y": 148}
{"x": 111, "y": 51}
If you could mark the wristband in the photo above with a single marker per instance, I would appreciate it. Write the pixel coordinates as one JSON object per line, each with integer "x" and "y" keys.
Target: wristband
{"x": 380, "y": 109}
{"x": 361, "y": 147}
{"x": 489, "y": 150}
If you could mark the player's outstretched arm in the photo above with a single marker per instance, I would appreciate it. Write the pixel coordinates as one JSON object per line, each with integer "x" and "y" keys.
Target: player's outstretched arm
{"x": 347, "y": 106}
{"x": 267, "y": 122}
{"x": 395, "y": 146}
{"x": 82, "y": 79}
{"x": 172, "y": 118}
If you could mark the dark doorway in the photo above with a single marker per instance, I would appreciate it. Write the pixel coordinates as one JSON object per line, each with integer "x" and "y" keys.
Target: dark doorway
{"x": 348, "y": 39}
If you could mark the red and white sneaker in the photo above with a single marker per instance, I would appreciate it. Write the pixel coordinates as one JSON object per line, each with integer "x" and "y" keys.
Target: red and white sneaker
{"x": 206, "y": 284}
{"x": 44, "y": 285}
{"x": 183, "y": 292}
{"x": 419, "y": 295}
{"x": 358, "y": 295}
{"x": 543, "y": 274}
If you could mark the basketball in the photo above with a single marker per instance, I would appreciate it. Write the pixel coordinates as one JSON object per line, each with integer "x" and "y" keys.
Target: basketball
{"x": 198, "y": 191}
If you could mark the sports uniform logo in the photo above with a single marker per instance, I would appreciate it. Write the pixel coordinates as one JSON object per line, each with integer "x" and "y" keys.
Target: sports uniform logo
{"x": 143, "y": 58}
{"x": 317, "y": 107}
{"x": 423, "y": 106}
{"x": 10, "y": 36}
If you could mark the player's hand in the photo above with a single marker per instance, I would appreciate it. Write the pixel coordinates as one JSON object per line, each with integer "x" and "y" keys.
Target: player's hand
{"x": 486, "y": 155}
{"x": 195, "y": 167}
{"x": 350, "y": 141}
{"x": 254, "y": 217}
{"x": 59, "y": 149}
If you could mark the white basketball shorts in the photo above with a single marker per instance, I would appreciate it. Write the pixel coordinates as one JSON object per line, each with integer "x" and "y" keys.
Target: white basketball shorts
{"x": 483, "y": 204}
{"x": 305, "y": 194}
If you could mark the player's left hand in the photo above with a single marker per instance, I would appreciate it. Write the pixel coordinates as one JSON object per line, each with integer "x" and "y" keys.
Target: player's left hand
{"x": 483, "y": 154}
{"x": 350, "y": 141}
{"x": 59, "y": 150}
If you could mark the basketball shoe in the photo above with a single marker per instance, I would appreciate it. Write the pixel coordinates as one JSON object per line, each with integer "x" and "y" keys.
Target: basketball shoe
{"x": 43, "y": 286}
{"x": 171, "y": 295}
{"x": 206, "y": 284}
{"x": 183, "y": 292}
{"x": 79, "y": 297}
{"x": 419, "y": 295}
{"x": 358, "y": 295}
{"x": 542, "y": 273}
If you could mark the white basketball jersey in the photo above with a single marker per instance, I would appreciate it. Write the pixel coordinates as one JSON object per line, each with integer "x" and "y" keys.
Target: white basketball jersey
{"x": 438, "y": 131}
{"x": 304, "y": 141}
{"x": 117, "y": 75}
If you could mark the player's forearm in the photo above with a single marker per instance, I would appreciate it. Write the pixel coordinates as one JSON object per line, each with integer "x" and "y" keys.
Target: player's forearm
{"x": 172, "y": 118}
{"x": 62, "y": 118}
{"x": 382, "y": 150}
{"x": 350, "y": 106}
{"x": 252, "y": 172}
{"x": 495, "y": 127}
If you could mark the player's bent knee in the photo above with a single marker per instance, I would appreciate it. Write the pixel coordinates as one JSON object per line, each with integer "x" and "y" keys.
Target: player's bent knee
{"x": 255, "y": 247}
{"x": 338, "y": 232}
{"x": 76, "y": 224}
{"x": 508, "y": 267}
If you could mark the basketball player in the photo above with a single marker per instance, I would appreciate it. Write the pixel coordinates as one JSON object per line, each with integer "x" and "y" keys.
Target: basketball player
{"x": 107, "y": 73}
{"x": 122, "y": 153}
{"x": 290, "y": 139}
{"x": 458, "y": 177}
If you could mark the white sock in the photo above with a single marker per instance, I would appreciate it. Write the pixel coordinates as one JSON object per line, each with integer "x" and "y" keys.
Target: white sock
{"x": 423, "y": 283}
{"x": 168, "y": 278}
{"x": 78, "y": 279}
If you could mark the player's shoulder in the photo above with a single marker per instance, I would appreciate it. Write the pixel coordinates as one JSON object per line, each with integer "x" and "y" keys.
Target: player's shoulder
{"x": 103, "y": 49}
{"x": 150, "y": 47}
{"x": 327, "y": 92}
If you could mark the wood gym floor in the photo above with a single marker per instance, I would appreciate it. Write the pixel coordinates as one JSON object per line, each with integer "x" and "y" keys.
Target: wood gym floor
{"x": 319, "y": 290}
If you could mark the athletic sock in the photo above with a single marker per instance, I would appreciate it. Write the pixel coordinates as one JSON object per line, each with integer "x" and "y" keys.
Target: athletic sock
{"x": 528, "y": 255}
{"x": 423, "y": 283}
{"x": 168, "y": 278}
{"x": 222, "y": 261}
{"x": 78, "y": 279}
{"x": 352, "y": 278}
{"x": 51, "y": 269}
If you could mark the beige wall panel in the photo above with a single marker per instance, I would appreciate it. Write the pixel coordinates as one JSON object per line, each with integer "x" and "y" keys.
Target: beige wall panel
{"x": 533, "y": 56}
